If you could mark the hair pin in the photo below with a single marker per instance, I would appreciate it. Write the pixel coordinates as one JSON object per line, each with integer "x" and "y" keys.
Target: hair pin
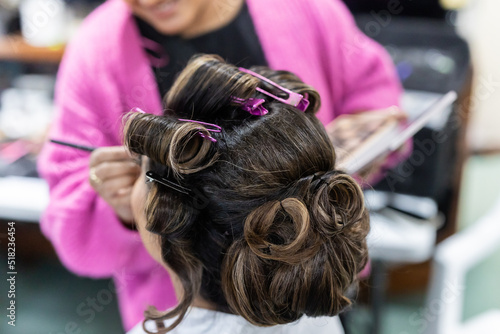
{"x": 211, "y": 128}
{"x": 294, "y": 99}
{"x": 137, "y": 109}
{"x": 154, "y": 177}
{"x": 252, "y": 105}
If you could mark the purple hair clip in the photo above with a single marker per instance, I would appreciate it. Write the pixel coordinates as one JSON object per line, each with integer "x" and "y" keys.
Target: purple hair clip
{"x": 252, "y": 105}
{"x": 212, "y": 128}
{"x": 160, "y": 58}
{"x": 294, "y": 99}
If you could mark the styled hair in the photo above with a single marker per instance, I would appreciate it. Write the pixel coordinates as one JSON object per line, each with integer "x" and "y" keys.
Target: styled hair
{"x": 270, "y": 230}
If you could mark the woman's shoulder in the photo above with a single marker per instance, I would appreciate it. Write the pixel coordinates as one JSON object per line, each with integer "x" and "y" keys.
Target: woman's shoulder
{"x": 107, "y": 19}
{"x": 300, "y": 8}
{"x": 212, "y": 322}
{"x": 104, "y": 31}
{"x": 330, "y": 19}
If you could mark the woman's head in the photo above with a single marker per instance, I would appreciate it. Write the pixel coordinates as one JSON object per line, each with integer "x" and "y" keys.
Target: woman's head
{"x": 268, "y": 229}
{"x": 185, "y": 17}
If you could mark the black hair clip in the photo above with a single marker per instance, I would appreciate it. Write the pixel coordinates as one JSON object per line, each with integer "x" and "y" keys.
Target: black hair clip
{"x": 152, "y": 176}
{"x": 319, "y": 176}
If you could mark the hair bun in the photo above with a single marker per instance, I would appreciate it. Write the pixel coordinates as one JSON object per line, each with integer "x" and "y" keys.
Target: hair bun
{"x": 266, "y": 274}
{"x": 299, "y": 256}
{"x": 281, "y": 231}
{"x": 339, "y": 204}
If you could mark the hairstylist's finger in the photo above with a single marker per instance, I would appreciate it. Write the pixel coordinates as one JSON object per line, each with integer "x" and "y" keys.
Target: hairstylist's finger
{"x": 94, "y": 180}
{"x": 123, "y": 209}
{"x": 122, "y": 201}
{"x": 112, "y": 169}
{"x": 112, "y": 186}
{"x": 110, "y": 153}
{"x": 393, "y": 112}
{"x": 400, "y": 115}
{"x": 124, "y": 192}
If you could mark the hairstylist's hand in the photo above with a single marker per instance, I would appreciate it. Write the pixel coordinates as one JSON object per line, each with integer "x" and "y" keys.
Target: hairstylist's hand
{"x": 349, "y": 131}
{"x": 112, "y": 173}
{"x": 372, "y": 171}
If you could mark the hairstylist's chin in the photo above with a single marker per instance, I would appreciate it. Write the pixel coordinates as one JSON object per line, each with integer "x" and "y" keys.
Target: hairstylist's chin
{"x": 169, "y": 17}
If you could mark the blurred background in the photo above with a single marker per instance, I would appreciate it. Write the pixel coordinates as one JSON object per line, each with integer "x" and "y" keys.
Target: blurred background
{"x": 435, "y": 267}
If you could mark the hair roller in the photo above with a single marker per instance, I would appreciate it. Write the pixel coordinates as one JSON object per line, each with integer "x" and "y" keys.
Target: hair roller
{"x": 170, "y": 142}
{"x": 189, "y": 149}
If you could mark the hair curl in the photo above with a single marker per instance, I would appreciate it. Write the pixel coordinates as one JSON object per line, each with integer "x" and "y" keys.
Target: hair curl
{"x": 281, "y": 233}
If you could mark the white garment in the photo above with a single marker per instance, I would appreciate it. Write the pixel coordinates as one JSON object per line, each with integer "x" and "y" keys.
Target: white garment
{"x": 203, "y": 321}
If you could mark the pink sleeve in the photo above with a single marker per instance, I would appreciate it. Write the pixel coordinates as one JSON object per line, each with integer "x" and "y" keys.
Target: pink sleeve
{"x": 369, "y": 78}
{"x": 84, "y": 230}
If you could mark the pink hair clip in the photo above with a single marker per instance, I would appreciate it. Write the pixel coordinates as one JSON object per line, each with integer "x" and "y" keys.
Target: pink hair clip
{"x": 214, "y": 128}
{"x": 294, "y": 99}
{"x": 252, "y": 105}
{"x": 160, "y": 58}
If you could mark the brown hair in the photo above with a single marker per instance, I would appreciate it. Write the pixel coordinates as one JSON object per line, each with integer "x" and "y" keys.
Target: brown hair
{"x": 279, "y": 232}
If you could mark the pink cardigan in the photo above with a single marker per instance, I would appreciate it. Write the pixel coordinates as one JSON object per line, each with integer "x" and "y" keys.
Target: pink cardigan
{"x": 105, "y": 73}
